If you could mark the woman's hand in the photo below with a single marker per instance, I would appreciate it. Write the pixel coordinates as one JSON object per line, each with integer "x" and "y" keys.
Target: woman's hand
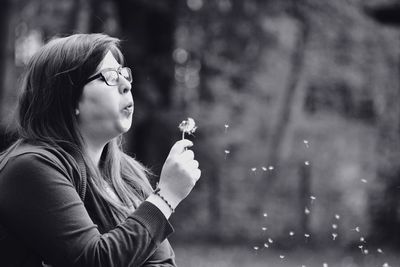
{"x": 179, "y": 173}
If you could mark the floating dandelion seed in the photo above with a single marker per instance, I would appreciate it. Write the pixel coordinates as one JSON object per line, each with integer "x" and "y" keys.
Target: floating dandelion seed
{"x": 307, "y": 235}
{"x": 364, "y": 181}
{"x": 357, "y": 229}
{"x": 386, "y": 265}
{"x": 270, "y": 240}
{"x": 361, "y": 247}
{"x": 256, "y": 248}
{"x": 291, "y": 233}
{"x": 265, "y": 215}
{"x": 306, "y": 210}
{"x": 227, "y": 153}
{"x": 306, "y": 143}
{"x": 266, "y": 245}
{"x": 325, "y": 264}
{"x": 264, "y": 228}
{"x": 270, "y": 168}
{"x": 380, "y": 250}
{"x": 365, "y": 251}
{"x": 303, "y": 266}
{"x": 334, "y": 235}
{"x": 281, "y": 256}
{"x": 253, "y": 169}
{"x": 362, "y": 239}
{"x": 187, "y": 126}
{"x": 312, "y": 199}
{"x": 226, "y": 127}
{"x": 334, "y": 226}
{"x": 264, "y": 168}
{"x": 337, "y": 216}
{"x": 307, "y": 163}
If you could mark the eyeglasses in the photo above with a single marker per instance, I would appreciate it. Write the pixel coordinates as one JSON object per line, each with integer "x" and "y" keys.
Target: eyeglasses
{"x": 111, "y": 76}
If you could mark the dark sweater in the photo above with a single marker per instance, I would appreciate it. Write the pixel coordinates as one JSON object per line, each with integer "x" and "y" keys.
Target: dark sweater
{"x": 43, "y": 219}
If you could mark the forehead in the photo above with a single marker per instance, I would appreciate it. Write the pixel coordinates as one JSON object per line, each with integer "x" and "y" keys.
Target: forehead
{"x": 108, "y": 61}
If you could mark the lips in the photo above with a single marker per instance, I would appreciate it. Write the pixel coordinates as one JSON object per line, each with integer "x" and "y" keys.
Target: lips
{"x": 128, "y": 108}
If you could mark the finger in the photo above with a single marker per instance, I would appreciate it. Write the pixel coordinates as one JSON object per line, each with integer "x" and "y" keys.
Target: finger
{"x": 186, "y": 156}
{"x": 180, "y": 146}
{"x": 193, "y": 164}
{"x": 196, "y": 174}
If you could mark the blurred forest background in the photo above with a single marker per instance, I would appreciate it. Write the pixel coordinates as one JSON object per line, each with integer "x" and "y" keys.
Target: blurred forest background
{"x": 297, "y": 106}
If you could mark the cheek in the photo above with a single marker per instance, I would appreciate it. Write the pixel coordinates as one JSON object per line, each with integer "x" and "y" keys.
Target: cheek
{"x": 99, "y": 106}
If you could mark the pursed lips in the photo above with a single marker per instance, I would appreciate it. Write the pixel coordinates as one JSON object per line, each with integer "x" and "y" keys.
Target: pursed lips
{"x": 128, "y": 108}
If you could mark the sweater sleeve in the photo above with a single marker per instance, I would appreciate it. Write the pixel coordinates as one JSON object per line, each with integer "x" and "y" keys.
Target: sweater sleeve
{"x": 164, "y": 256}
{"x": 41, "y": 207}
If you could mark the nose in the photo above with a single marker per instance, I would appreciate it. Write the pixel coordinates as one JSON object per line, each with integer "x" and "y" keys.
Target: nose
{"x": 124, "y": 86}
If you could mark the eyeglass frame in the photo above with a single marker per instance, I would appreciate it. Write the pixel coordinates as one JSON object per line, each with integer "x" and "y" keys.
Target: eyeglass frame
{"x": 118, "y": 71}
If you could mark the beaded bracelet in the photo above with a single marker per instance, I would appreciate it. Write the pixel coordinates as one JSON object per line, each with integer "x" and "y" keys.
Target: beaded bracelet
{"x": 157, "y": 192}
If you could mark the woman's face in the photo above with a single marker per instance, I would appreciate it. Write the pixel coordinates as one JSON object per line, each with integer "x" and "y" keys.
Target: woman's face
{"x": 105, "y": 111}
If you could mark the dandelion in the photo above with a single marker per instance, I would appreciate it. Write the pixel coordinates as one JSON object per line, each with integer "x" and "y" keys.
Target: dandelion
{"x": 187, "y": 126}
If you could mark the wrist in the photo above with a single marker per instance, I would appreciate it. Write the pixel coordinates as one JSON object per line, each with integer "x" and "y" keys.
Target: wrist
{"x": 165, "y": 199}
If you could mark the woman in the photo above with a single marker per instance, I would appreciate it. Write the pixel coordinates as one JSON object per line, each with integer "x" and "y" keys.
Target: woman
{"x": 68, "y": 195}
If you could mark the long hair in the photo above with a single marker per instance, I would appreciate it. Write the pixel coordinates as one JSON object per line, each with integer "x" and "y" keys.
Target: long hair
{"x": 51, "y": 89}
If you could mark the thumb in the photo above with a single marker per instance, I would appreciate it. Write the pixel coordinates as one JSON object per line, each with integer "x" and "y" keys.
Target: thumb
{"x": 180, "y": 146}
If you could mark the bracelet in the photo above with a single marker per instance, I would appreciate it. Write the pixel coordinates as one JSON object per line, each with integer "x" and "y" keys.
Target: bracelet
{"x": 157, "y": 192}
